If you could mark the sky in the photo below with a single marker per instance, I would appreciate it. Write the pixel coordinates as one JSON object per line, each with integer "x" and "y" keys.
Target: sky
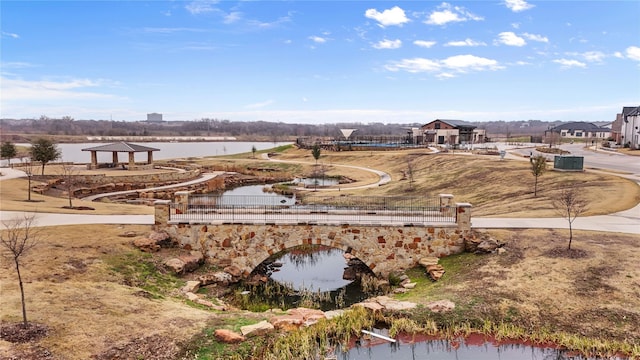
{"x": 320, "y": 62}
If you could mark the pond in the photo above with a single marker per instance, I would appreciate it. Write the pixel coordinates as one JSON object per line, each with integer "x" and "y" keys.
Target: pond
{"x": 312, "y": 276}
{"x": 253, "y": 195}
{"x": 320, "y": 182}
{"x": 472, "y": 348}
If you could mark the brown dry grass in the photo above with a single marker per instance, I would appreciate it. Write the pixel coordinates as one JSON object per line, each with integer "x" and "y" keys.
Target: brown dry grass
{"x": 537, "y": 284}
{"x": 87, "y": 307}
{"x": 13, "y": 197}
{"x": 494, "y": 187}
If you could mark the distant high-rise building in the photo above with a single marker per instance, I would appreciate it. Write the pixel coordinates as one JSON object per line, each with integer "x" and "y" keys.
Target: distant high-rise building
{"x": 154, "y": 117}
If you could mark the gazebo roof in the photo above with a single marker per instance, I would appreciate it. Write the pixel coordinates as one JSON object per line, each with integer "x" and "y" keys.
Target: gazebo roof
{"x": 122, "y": 147}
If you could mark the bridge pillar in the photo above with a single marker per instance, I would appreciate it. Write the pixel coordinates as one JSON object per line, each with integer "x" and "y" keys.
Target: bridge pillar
{"x": 161, "y": 212}
{"x": 181, "y": 197}
{"x": 446, "y": 200}
{"x": 463, "y": 216}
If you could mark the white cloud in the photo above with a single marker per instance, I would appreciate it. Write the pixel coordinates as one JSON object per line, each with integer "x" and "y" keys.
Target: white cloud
{"x": 18, "y": 89}
{"x": 11, "y": 35}
{"x": 232, "y": 17}
{"x": 633, "y": 53}
{"x": 464, "y": 62}
{"x": 618, "y": 55}
{"x": 455, "y": 64}
{"x": 424, "y": 43}
{"x": 466, "y": 42}
{"x": 594, "y": 56}
{"x": 518, "y": 5}
{"x": 318, "y": 39}
{"x": 259, "y": 105}
{"x": 201, "y": 6}
{"x": 515, "y": 25}
{"x": 448, "y": 13}
{"x": 570, "y": 63}
{"x": 390, "y": 17}
{"x": 388, "y": 44}
{"x": 510, "y": 38}
{"x": 535, "y": 37}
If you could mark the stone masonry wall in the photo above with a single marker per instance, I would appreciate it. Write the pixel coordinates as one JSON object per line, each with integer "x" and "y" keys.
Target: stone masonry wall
{"x": 384, "y": 249}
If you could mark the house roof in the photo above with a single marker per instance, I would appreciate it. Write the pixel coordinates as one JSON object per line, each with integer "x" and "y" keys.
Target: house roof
{"x": 580, "y": 125}
{"x": 122, "y": 147}
{"x": 630, "y": 110}
{"x": 455, "y": 123}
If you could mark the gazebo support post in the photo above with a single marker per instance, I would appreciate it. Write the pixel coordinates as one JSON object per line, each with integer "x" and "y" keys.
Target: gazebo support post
{"x": 149, "y": 157}
{"x": 114, "y": 158}
{"x": 132, "y": 159}
{"x": 94, "y": 159}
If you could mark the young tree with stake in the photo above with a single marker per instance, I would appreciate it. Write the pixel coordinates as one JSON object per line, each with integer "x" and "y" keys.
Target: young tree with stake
{"x": 570, "y": 205}
{"x": 18, "y": 236}
{"x": 538, "y": 167}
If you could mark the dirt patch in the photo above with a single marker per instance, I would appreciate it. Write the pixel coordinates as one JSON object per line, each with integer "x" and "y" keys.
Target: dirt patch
{"x": 21, "y": 333}
{"x": 563, "y": 252}
{"x": 153, "y": 347}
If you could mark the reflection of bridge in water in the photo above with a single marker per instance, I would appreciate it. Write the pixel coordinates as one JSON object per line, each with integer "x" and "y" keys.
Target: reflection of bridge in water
{"x": 386, "y": 233}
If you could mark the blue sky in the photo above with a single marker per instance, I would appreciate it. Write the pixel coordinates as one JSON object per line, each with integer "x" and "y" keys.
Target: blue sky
{"x": 320, "y": 61}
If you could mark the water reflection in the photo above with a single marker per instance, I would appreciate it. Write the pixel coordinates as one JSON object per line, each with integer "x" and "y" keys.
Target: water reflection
{"x": 377, "y": 349}
{"x": 312, "y": 276}
{"x": 321, "y": 269}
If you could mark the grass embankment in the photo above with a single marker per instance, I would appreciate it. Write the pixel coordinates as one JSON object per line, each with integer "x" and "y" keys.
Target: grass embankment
{"x": 495, "y": 188}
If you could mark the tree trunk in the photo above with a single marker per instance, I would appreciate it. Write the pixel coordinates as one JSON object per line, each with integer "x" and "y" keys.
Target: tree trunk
{"x": 42, "y": 169}
{"x": 535, "y": 188}
{"x": 29, "y": 189}
{"x": 570, "y": 235}
{"x": 24, "y": 309}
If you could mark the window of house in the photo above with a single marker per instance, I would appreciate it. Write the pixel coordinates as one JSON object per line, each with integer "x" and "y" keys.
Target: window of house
{"x": 578, "y": 133}
{"x": 437, "y": 125}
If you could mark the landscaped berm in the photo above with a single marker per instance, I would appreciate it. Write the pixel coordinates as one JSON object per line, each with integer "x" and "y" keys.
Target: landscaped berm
{"x": 91, "y": 294}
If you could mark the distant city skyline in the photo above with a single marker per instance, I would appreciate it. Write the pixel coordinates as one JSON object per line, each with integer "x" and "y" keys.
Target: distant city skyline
{"x": 315, "y": 62}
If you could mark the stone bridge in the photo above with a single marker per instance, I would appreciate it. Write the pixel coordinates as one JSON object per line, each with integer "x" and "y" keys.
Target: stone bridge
{"x": 381, "y": 240}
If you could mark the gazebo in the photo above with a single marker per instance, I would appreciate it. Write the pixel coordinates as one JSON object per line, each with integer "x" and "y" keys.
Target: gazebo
{"x": 116, "y": 148}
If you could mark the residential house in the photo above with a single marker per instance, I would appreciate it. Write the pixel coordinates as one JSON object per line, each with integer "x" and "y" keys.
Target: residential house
{"x": 452, "y": 132}
{"x": 581, "y": 130}
{"x": 629, "y": 127}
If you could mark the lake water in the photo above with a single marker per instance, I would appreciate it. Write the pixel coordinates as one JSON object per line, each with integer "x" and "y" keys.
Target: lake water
{"x": 168, "y": 150}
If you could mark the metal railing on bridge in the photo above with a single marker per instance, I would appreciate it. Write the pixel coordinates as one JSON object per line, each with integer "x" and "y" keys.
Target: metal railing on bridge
{"x": 313, "y": 209}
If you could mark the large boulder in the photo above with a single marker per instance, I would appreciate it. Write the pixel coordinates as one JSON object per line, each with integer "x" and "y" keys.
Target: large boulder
{"x": 261, "y": 328}
{"x": 146, "y": 245}
{"x": 228, "y": 336}
{"x": 192, "y": 261}
{"x": 220, "y": 277}
{"x": 163, "y": 239}
{"x": 175, "y": 265}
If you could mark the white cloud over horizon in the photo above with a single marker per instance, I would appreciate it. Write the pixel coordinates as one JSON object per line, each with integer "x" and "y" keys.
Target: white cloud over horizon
{"x": 510, "y": 39}
{"x": 448, "y": 13}
{"x": 518, "y": 5}
{"x": 390, "y": 17}
{"x": 388, "y": 44}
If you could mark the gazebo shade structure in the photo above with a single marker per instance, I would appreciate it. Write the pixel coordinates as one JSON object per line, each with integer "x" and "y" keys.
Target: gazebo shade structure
{"x": 116, "y": 148}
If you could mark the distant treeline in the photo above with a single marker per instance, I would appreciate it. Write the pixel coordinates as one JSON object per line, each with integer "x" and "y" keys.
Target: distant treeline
{"x": 18, "y": 130}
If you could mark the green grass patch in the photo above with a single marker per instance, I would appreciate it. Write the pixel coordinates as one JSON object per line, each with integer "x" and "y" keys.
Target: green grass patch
{"x": 141, "y": 270}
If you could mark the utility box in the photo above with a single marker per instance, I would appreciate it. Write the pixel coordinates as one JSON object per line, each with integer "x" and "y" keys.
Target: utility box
{"x": 568, "y": 163}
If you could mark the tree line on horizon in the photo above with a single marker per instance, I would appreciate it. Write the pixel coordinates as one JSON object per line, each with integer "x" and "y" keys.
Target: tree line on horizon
{"x": 16, "y": 129}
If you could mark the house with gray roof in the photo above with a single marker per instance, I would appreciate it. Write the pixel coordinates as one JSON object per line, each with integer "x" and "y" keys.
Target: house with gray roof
{"x": 451, "y": 132}
{"x": 581, "y": 130}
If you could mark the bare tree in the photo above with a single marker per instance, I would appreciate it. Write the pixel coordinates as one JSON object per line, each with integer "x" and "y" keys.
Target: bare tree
{"x": 569, "y": 204}
{"x": 410, "y": 171}
{"x": 27, "y": 167}
{"x": 70, "y": 180}
{"x": 538, "y": 167}
{"x": 17, "y": 238}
